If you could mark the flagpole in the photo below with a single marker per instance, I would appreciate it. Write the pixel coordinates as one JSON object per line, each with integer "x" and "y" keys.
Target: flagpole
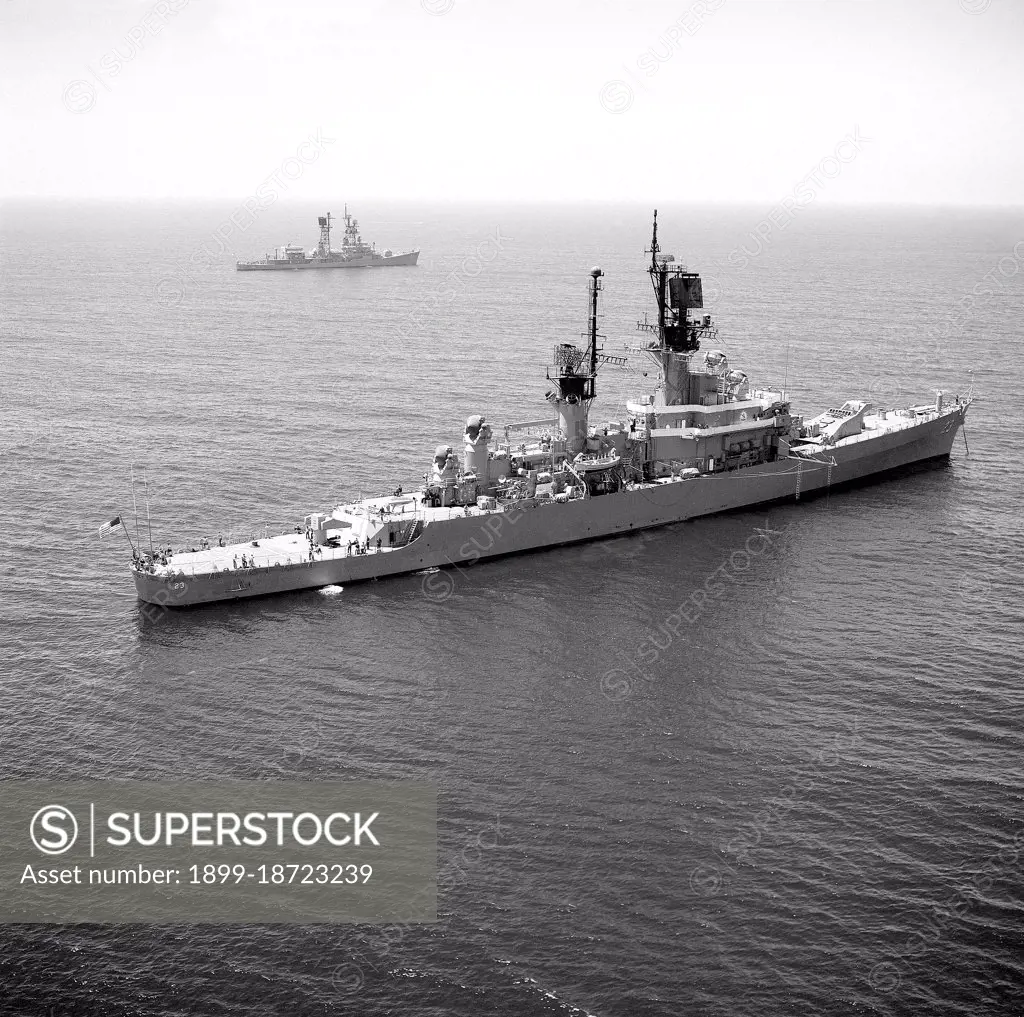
{"x": 135, "y": 507}
{"x": 129, "y": 536}
{"x": 149, "y": 520}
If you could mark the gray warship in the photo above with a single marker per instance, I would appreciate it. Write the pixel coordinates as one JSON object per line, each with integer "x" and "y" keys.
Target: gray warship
{"x": 354, "y": 253}
{"x": 707, "y": 441}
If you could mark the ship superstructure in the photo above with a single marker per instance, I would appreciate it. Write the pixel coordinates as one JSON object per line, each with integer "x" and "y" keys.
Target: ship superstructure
{"x": 354, "y": 253}
{"x": 705, "y": 415}
{"x": 706, "y": 441}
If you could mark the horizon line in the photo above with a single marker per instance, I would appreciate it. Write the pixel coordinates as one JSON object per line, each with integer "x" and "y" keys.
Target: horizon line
{"x": 294, "y": 200}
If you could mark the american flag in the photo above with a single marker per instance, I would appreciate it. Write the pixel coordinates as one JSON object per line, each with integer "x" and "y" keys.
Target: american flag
{"x": 107, "y": 527}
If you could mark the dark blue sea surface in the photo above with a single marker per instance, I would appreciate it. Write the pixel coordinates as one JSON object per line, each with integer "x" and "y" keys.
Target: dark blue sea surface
{"x": 675, "y": 778}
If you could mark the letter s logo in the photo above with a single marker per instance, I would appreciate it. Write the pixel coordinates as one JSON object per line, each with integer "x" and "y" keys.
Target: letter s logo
{"x": 54, "y": 821}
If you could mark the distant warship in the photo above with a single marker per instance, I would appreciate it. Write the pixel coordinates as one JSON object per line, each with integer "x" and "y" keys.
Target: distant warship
{"x": 706, "y": 441}
{"x": 354, "y": 253}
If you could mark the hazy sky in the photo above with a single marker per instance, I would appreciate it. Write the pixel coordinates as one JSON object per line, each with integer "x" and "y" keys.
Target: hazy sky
{"x": 723, "y": 100}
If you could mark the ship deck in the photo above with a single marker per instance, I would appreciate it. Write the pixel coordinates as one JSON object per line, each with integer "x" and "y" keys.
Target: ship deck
{"x": 362, "y": 517}
{"x": 284, "y": 548}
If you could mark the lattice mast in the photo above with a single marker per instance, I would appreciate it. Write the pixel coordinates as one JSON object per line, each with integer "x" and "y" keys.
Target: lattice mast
{"x": 324, "y": 247}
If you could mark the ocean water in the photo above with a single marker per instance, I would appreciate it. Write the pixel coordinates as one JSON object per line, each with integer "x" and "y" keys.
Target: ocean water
{"x": 674, "y": 778}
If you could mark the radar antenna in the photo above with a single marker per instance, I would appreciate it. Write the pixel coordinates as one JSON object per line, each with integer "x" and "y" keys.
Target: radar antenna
{"x": 679, "y": 296}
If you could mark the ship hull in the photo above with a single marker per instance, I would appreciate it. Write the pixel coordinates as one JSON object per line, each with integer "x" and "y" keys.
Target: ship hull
{"x": 476, "y": 536}
{"x": 396, "y": 260}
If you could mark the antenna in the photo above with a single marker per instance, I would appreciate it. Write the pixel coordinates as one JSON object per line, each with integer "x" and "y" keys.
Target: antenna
{"x": 149, "y": 521}
{"x": 595, "y": 288}
{"x": 135, "y": 507}
{"x": 659, "y": 276}
{"x": 654, "y": 242}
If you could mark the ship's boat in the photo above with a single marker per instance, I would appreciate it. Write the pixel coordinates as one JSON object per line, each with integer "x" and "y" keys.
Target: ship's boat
{"x": 595, "y": 462}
